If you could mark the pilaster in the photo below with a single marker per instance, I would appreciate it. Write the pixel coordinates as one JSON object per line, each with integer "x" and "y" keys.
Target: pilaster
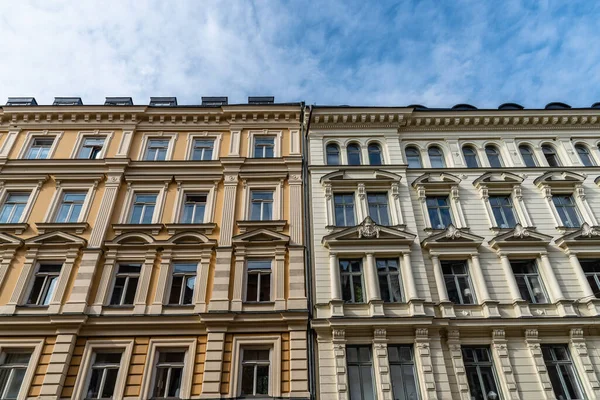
{"x": 219, "y": 300}
{"x": 113, "y": 182}
{"x": 298, "y": 362}
{"x": 382, "y": 365}
{"x": 141, "y": 296}
{"x": 458, "y": 365}
{"x": 535, "y": 349}
{"x": 504, "y": 366}
{"x": 297, "y": 284}
{"x": 163, "y": 278}
{"x": 58, "y": 366}
{"x": 339, "y": 353}
{"x": 213, "y": 364}
{"x": 582, "y": 359}
{"x": 424, "y": 364}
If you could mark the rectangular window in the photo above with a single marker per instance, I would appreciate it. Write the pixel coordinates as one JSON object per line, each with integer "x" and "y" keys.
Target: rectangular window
{"x": 402, "y": 371}
{"x": 202, "y": 149}
{"x": 13, "y": 366}
{"x": 143, "y": 208}
{"x": 360, "y": 372}
{"x": 389, "y": 280}
{"x": 40, "y": 148}
{"x": 91, "y": 148}
{"x": 258, "y": 286}
{"x": 194, "y": 207}
{"x": 529, "y": 282}
{"x": 182, "y": 286}
{"x": 344, "y": 209}
{"x": 378, "y": 208}
{"x": 103, "y": 376}
{"x": 458, "y": 282}
{"x": 567, "y": 210}
{"x": 44, "y": 284}
{"x": 440, "y": 214}
{"x": 156, "y": 149}
{"x": 126, "y": 282}
{"x": 591, "y": 268}
{"x": 169, "y": 374}
{"x": 503, "y": 211}
{"x": 562, "y": 372}
{"x": 352, "y": 281}
{"x": 261, "y": 205}
{"x": 264, "y": 147}
{"x": 70, "y": 207}
{"x": 480, "y": 373}
{"x": 255, "y": 372}
{"x": 13, "y": 207}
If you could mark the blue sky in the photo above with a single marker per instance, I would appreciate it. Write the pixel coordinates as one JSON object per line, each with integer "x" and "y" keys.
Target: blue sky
{"x": 436, "y": 53}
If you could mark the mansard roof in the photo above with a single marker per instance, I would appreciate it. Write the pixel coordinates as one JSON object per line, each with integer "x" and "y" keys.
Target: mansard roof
{"x": 369, "y": 233}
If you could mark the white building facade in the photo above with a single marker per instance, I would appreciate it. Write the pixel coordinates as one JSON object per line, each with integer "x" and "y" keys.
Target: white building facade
{"x": 455, "y": 253}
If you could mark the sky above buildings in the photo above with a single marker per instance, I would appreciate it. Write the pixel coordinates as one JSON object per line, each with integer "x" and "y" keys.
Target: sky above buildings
{"x": 435, "y": 53}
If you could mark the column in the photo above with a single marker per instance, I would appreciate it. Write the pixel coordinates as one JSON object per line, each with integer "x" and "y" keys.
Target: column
{"x": 482, "y": 290}
{"x": 219, "y": 299}
{"x": 202, "y": 273}
{"x": 295, "y": 221}
{"x": 581, "y": 356}
{"x": 297, "y": 284}
{"x": 513, "y": 289}
{"x": 8, "y": 253}
{"x": 371, "y": 279}
{"x": 588, "y": 294}
{"x": 334, "y": 275}
{"x": 141, "y": 296}
{"x": 550, "y": 278}
{"x": 440, "y": 284}
{"x": 279, "y": 278}
{"x": 238, "y": 279}
{"x": 86, "y": 272}
{"x": 339, "y": 353}
{"x": 229, "y": 206}
{"x": 458, "y": 364}
{"x": 213, "y": 364}
{"x": 105, "y": 281}
{"x": 58, "y": 365}
{"x": 163, "y": 279}
{"x": 408, "y": 278}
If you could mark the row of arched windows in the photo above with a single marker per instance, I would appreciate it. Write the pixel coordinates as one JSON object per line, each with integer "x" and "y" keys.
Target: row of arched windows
{"x": 354, "y": 154}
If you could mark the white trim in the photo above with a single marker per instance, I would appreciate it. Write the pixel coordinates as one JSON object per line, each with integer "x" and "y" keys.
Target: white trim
{"x": 172, "y": 137}
{"x": 185, "y": 189}
{"x": 276, "y": 187}
{"x": 452, "y": 193}
{"x": 36, "y": 345}
{"x": 265, "y": 132}
{"x": 216, "y": 136}
{"x": 61, "y": 188}
{"x": 82, "y": 135}
{"x": 36, "y": 134}
{"x": 132, "y": 189}
{"x": 34, "y": 190}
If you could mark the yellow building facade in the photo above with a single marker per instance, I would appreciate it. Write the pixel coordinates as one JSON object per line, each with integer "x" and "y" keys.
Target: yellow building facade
{"x": 152, "y": 252}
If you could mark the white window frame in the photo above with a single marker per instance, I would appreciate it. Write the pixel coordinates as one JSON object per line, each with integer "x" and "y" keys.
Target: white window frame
{"x": 516, "y": 196}
{"x": 216, "y": 136}
{"x": 275, "y": 187}
{"x": 272, "y": 277}
{"x": 36, "y": 346}
{"x": 253, "y": 134}
{"x": 185, "y": 189}
{"x": 113, "y": 281}
{"x": 31, "y": 281}
{"x": 272, "y": 342}
{"x": 40, "y": 134}
{"x": 66, "y": 186}
{"x": 92, "y": 347}
{"x": 81, "y": 136}
{"x": 14, "y": 187}
{"x": 169, "y": 285}
{"x": 171, "y": 137}
{"x": 133, "y": 190}
{"x": 156, "y": 345}
{"x": 458, "y": 217}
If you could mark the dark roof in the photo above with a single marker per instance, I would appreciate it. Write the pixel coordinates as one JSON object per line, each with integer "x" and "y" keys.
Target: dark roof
{"x": 510, "y": 106}
{"x": 214, "y": 101}
{"x": 118, "y": 101}
{"x": 21, "y": 101}
{"x": 261, "y": 99}
{"x": 67, "y": 101}
{"x": 163, "y": 101}
{"x": 464, "y": 107}
{"x": 557, "y": 106}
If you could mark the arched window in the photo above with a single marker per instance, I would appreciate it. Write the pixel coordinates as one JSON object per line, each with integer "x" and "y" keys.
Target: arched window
{"x": 584, "y": 155}
{"x": 528, "y": 156}
{"x": 353, "y": 151}
{"x": 413, "y": 157}
{"x": 375, "y": 154}
{"x": 436, "y": 157}
{"x": 551, "y": 156}
{"x": 333, "y": 154}
{"x": 493, "y": 156}
{"x": 471, "y": 158}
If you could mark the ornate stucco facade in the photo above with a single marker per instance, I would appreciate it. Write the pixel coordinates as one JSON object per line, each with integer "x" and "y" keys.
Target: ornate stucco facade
{"x": 152, "y": 251}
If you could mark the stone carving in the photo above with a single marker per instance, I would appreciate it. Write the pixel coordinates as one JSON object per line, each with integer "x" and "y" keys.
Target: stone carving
{"x": 531, "y": 334}
{"x": 379, "y": 333}
{"x": 368, "y": 229}
{"x": 521, "y": 232}
{"x": 588, "y": 231}
{"x": 453, "y": 233}
{"x": 339, "y": 334}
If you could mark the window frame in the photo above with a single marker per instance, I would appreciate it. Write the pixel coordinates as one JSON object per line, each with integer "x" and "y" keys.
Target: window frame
{"x": 352, "y": 274}
{"x": 262, "y": 202}
{"x": 357, "y": 152}
{"x": 587, "y": 152}
{"x": 502, "y": 208}
{"x": 389, "y": 276}
{"x": 255, "y": 364}
{"x": 555, "y": 363}
{"x": 45, "y": 287}
{"x": 554, "y": 154}
{"x": 327, "y": 153}
{"x": 535, "y": 160}
{"x": 474, "y": 156}
{"x": 526, "y": 278}
{"x": 595, "y": 275}
{"x": 260, "y": 273}
{"x": 479, "y": 364}
{"x": 4, "y": 203}
{"x": 216, "y": 137}
{"x": 359, "y": 364}
{"x": 257, "y": 341}
{"x": 380, "y": 153}
{"x": 67, "y": 185}
{"x": 127, "y": 276}
{"x": 418, "y": 154}
{"x": 133, "y": 190}
{"x": 401, "y": 364}
{"x": 72, "y": 204}
{"x": 456, "y": 278}
{"x": 36, "y": 346}
{"x": 146, "y": 137}
{"x": 277, "y": 147}
{"x": 57, "y": 135}
{"x": 440, "y": 184}
{"x": 571, "y": 206}
{"x": 388, "y": 215}
{"x": 185, "y": 275}
{"x": 275, "y": 187}
{"x": 183, "y": 190}
{"x": 498, "y": 155}
{"x": 439, "y": 213}
{"x": 335, "y": 222}
{"x": 442, "y": 156}
{"x": 82, "y": 135}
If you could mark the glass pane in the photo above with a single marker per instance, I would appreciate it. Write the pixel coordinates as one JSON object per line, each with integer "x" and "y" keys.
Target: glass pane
{"x": 255, "y": 211}
{"x": 63, "y": 213}
{"x": 355, "y": 383}
{"x": 131, "y": 289}
{"x": 51, "y": 282}
{"x": 352, "y": 354}
{"x": 109, "y": 382}
{"x": 188, "y": 211}
{"x": 413, "y": 157}
{"x": 384, "y": 288}
{"x": 175, "y": 290}
{"x": 188, "y": 294}
{"x": 95, "y": 380}
{"x": 252, "y": 287}
{"x": 466, "y": 291}
{"x": 446, "y": 218}
{"x": 175, "y": 383}
{"x": 265, "y": 290}
{"x": 4, "y": 376}
{"x": 570, "y": 379}
{"x": 15, "y": 383}
{"x": 6, "y": 213}
{"x": 364, "y": 354}
{"x": 489, "y": 383}
{"x": 536, "y": 288}
{"x": 160, "y": 383}
{"x": 367, "y": 383}
{"x": 358, "y": 290}
{"x": 556, "y": 383}
{"x": 452, "y": 289}
{"x": 346, "y": 288}
{"x": 258, "y": 264}
{"x": 474, "y": 384}
{"x": 147, "y": 218}
{"x": 262, "y": 379}
{"x": 76, "y": 210}
{"x": 107, "y": 358}
{"x": 267, "y": 211}
{"x": 247, "y": 380}
{"x": 136, "y": 214}
{"x": 410, "y": 382}
{"x": 523, "y": 289}
{"x": 115, "y": 299}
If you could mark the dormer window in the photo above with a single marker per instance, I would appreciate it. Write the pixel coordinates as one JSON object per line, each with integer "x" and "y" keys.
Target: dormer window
{"x": 551, "y": 156}
{"x": 375, "y": 154}
{"x": 470, "y": 155}
{"x": 584, "y": 155}
{"x": 493, "y": 156}
{"x": 528, "y": 156}
{"x": 413, "y": 157}
{"x": 333, "y": 154}
{"x": 436, "y": 157}
{"x": 353, "y": 151}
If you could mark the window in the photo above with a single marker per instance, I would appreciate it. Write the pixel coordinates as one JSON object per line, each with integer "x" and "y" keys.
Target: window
{"x": 44, "y": 284}
{"x": 562, "y": 373}
{"x": 156, "y": 149}
{"x": 40, "y": 148}
{"x": 169, "y": 374}
{"x": 202, "y": 149}
{"x": 438, "y": 208}
{"x": 194, "y": 206}
{"x": 91, "y": 148}
{"x": 353, "y": 151}
{"x": 551, "y": 156}
{"x": 143, "y": 208}
{"x": 584, "y": 155}
{"x": 591, "y": 268}
{"x": 13, "y": 207}
{"x": 389, "y": 280}
{"x": 261, "y": 205}
{"x": 344, "y": 209}
{"x": 503, "y": 211}
{"x": 258, "y": 285}
{"x": 255, "y": 372}
{"x": 70, "y": 207}
{"x": 413, "y": 157}
{"x": 567, "y": 210}
{"x": 436, "y": 157}
{"x": 471, "y": 158}
{"x": 126, "y": 283}
{"x": 375, "y": 154}
{"x": 529, "y": 282}
{"x": 528, "y": 156}
{"x": 493, "y": 155}
{"x": 182, "y": 285}
{"x": 458, "y": 282}
{"x": 480, "y": 373}
{"x": 103, "y": 377}
{"x": 352, "y": 281}
{"x": 333, "y": 154}
{"x": 402, "y": 371}
{"x": 13, "y": 366}
{"x": 264, "y": 147}
{"x": 378, "y": 208}
{"x": 360, "y": 372}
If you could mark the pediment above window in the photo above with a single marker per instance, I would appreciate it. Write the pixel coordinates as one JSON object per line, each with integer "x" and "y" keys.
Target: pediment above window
{"x": 260, "y": 236}
{"x": 452, "y": 238}
{"x": 497, "y": 180}
{"x": 7, "y": 240}
{"x": 585, "y": 239}
{"x": 132, "y": 238}
{"x": 56, "y": 238}
{"x": 190, "y": 238}
{"x": 361, "y": 176}
{"x": 559, "y": 179}
{"x": 153, "y": 229}
{"x": 368, "y": 233}
{"x": 436, "y": 179}
{"x": 520, "y": 236}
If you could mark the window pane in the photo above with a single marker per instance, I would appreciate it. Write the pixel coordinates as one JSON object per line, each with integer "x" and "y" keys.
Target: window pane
{"x": 265, "y": 289}
{"x": 493, "y": 156}
{"x": 528, "y": 157}
{"x": 333, "y": 154}
{"x": 175, "y": 289}
{"x": 262, "y": 379}
{"x": 355, "y": 383}
{"x": 188, "y": 294}
{"x": 95, "y": 380}
{"x": 131, "y": 289}
{"x": 252, "y": 287}
{"x": 436, "y": 157}
{"x": 175, "y": 383}
{"x": 413, "y": 157}
{"x": 470, "y": 157}
{"x": 15, "y": 384}
{"x": 160, "y": 382}
{"x": 247, "y": 380}
{"x": 51, "y": 285}
{"x": 374, "y": 154}
{"x": 259, "y": 264}
{"x": 353, "y": 152}
{"x": 117, "y": 291}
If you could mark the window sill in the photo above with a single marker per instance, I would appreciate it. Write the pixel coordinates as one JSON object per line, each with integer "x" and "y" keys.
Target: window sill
{"x": 77, "y": 227}
{"x": 153, "y": 229}
{"x": 206, "y": 229}
{"x": 119, "y": 306}
{"x": 17, "y": 229}
{"x": 247, "y": 225}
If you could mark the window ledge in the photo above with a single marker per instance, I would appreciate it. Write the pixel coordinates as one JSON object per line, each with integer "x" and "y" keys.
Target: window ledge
{"x": 77, "y": 227}
{"x": 497, "y": 230}
{"x": 14, "y": 228}
{"x": 276, "y": 225}
{"x": 207, "y": 229}
{"x": 153, "y": 229}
